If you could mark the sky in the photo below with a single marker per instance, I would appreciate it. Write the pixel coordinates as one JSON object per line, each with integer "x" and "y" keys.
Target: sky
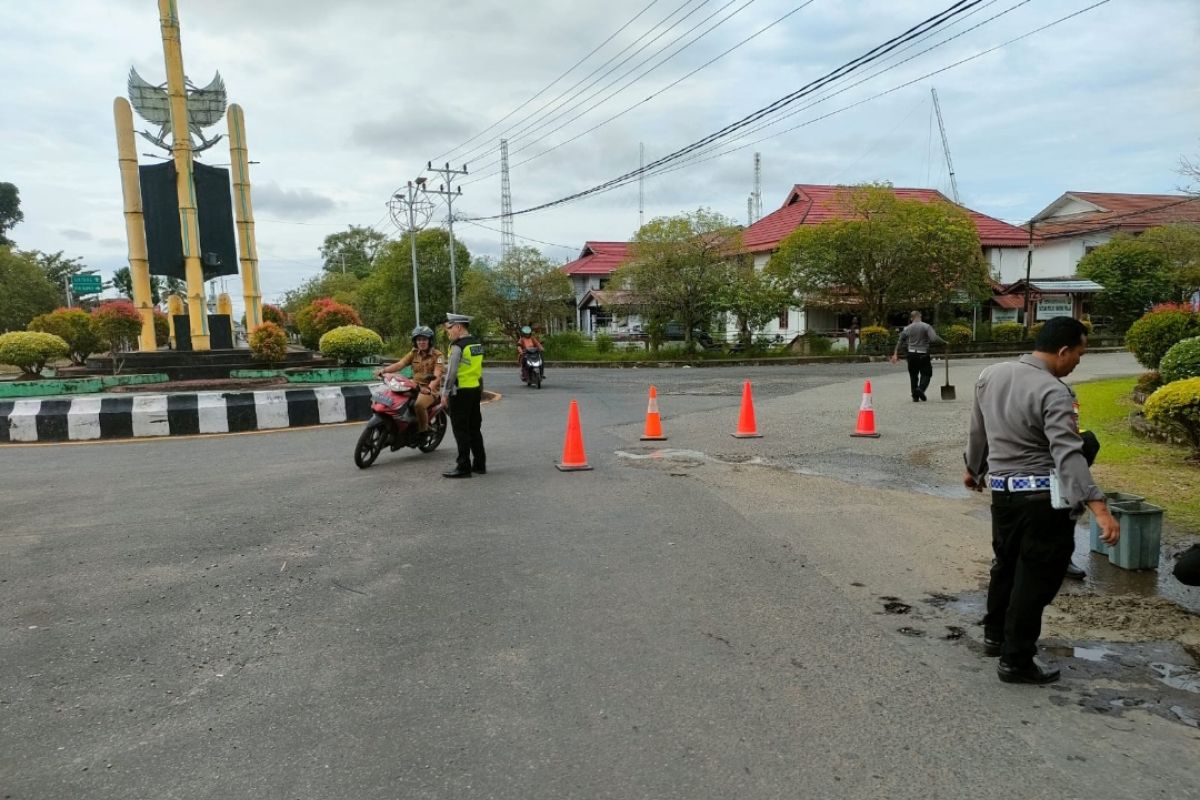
{"x": 347, "y": 101}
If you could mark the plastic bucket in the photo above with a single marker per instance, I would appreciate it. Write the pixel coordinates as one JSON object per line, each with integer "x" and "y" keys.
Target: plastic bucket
{"x": 1098, "y": 546}
{"x": 1141, "y": 535}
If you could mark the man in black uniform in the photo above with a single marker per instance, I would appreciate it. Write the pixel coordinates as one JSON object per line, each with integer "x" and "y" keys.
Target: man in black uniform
{"x": 1025, "y": 446}
{"x": 462, "y": 393}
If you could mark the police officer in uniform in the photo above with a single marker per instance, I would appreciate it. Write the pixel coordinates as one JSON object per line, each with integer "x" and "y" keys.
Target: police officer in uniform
{"x": 1024, "y": 427}
{"x": 462, "y": 392}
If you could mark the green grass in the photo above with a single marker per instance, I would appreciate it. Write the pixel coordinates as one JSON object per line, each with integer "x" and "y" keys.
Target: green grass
{"x": 1129, "y": 463}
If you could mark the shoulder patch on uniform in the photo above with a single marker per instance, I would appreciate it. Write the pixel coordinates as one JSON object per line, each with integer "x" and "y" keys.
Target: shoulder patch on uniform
{"x": 476, "y": 349}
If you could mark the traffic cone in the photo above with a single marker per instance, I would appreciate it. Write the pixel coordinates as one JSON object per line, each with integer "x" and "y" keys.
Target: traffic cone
{"x": 747, "y": 428}
{"x": 573, "y": 457}
{"x": 866, "y": 415}
{"x": 653, "y": 432}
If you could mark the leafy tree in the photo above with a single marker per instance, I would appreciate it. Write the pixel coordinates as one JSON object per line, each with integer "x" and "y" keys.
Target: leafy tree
{"x": 25, "y": 292}
{"x": 123, "y": 282}
{"x": 678, "y": 267}
{"x": 1179, "y": 243}
{"x": 57, "y": 266}
{"x": 524, "y": 288}
{"x": 752, "y": 298}
{"x": 352, "y": 251}
{"x": 75, "y": 327}
{"x": 386, "y": 297}
{"x": 884, "y": 254}
{"x": 335, "y": 285}
{"x": 1134, "y": 274}
{"x": 10, "y": 211}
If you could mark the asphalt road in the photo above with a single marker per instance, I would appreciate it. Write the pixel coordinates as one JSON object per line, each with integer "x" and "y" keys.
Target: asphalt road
{"x": 252, "y": 616}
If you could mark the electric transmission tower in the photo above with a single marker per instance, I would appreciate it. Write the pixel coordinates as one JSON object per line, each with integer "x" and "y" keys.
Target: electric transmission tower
{"x": 447, "y": 191}
{"x": 945, "y": 144}
{"x": 641, "y": 185}
{"x": 507, "y": 239}
{"x": 757, "y": 186}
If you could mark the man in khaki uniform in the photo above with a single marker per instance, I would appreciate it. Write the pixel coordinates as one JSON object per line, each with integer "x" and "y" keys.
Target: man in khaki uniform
{"x": 428, "y": 366}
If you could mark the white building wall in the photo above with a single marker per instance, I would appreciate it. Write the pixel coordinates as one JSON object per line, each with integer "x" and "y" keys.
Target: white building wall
{"x": 1059, "y": 258}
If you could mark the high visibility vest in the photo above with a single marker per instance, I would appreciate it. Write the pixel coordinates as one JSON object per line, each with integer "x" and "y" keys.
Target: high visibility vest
{"x": 470, "y": 364}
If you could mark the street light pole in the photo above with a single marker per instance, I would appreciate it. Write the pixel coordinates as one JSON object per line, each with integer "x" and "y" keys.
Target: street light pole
{"x": 410, "y": 213}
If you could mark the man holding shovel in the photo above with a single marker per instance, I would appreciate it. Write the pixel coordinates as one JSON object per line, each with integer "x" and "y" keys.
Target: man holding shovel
{"x": 918, "y": 336}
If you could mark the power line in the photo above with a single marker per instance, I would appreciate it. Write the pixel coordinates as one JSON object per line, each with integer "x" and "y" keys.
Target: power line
{"x": 572, "y": 248}
{"x": 545, "y": 88}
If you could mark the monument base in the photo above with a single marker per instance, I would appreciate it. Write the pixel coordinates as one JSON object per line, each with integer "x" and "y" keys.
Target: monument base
{"x": 200, "y": 364}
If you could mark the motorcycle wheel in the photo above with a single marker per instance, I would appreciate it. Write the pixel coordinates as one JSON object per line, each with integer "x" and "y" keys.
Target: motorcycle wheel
{"x": 370, "y": 442}
{"x": 437, "y": 432}
{"x": 537, "y": 378}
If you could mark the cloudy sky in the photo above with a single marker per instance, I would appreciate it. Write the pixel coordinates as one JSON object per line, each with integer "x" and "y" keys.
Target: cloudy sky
{"x": 346, "y": 101}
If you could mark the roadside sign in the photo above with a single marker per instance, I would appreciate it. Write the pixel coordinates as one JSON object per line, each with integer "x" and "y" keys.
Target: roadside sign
{"x": 86, "y": 284}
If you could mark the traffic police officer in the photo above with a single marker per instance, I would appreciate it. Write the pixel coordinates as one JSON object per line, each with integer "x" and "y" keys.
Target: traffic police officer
{"x": 1025, "y": 446}
{"x": 462, "y": 393}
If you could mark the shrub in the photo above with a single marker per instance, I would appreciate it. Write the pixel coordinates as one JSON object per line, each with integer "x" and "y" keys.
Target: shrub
{"x": 75, "y": 327}
{"x": 268, "y": 342}
{"x": 818, "y": 345}
{"x": 983, "y": 332}
{"x": 1150, "y": 337}
{"x": 118, "y": 323}
{"x": 274, "y": 314}
{"x": 874, "y": 339}
{"x": 351, "y": 343}
{"x": 560, "y": 344}
{"x": 1035, "y": 329}
{"x": 162, "y": 329}
{"x": 320, "y": 317}
{"x": 30, "y": 350}
{"x": 957, "y": 335}
{"x": 1147, "y": 382}
{"x": 1008, "y": 332}
{"x": 604, "y": 343}
{"x": 1177, "y": 406}
{"x": 1181, "y": 361}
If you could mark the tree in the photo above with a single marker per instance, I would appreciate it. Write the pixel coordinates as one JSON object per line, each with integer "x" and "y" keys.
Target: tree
{"x": 678, "y": 267}
{"x": 386, "y": 297}
{"x": 123, "y": 282}
{"x": 884, "y": 254}
{"x": 1190, "y": 170}
{"x": 1179, "y": 244}
{"x": 10, "y": 211}
{"x": 343, "y": 288}
{"x": 1134, "y": 274}
{"x": 524, "y": 288}
{"x": 352, "y": 251}
{"x": 25, "y": 292}
{"x": 57, "y": 266}
{"x": 752, "y": 298}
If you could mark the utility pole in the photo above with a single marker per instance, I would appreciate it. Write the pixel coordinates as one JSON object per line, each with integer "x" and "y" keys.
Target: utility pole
{"x": 757, "y": 186}
{"x": 410, "y": 213}
{"x": 448, "y": 192}
{"x": 67, "y": 286}
{"x": 507, "y": 238}
{"x": 1028, "y": 275}
{"x": 641, "y": 185}
{"x": 749, "y": 209}
{"x": 945, "y": 145}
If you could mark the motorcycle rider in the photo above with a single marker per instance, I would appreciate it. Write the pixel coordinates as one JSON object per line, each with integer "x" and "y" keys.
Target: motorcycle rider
{"x": 428, "y": 368}
{"x": 527, "y": 341}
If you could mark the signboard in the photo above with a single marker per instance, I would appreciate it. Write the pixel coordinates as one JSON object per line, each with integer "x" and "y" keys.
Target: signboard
{"x": 86, "y": 284}
{"x": 1049, "y": 307}
{"x": 1004, "y": 314}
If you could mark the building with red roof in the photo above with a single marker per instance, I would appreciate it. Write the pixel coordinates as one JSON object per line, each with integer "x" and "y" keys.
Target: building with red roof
{"x": 589, "y": 275}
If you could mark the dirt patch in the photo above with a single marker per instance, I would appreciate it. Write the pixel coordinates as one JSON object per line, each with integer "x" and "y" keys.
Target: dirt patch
{"x": 1121, "y": 618}
{"x": 921, "y": 457}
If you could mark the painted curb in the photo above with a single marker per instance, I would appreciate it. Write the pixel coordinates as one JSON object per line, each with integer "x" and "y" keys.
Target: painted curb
{"x": 79, "y": 419}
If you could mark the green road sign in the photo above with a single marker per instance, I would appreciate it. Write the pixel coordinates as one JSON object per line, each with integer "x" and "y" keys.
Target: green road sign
{"x": 86, "y": 284}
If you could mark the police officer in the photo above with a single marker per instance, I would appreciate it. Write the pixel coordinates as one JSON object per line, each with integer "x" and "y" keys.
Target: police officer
{"x": 462, "y": 392}
{"x": 918, "y": 336}
{"x": 1024, "y": 427}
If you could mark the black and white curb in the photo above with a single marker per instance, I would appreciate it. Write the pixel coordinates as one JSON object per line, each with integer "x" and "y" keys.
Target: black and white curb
{"x": 88, "y": 418}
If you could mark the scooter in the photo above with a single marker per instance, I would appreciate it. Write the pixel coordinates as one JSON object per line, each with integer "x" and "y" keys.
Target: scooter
{"x": 533, "y": 369}
{"x": 393, "y": 422}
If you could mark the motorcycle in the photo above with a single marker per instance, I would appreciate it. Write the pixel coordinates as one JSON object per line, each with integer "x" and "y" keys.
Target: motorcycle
{"x": 393, "y": 422}
{"x": 533, "y": 370}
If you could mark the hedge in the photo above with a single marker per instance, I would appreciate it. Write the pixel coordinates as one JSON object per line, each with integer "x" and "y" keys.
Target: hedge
{"x": 1177, "y": 405}
{"x": 268, "y": 342}
{"x": 1181, "y": 361}
{"x": 1150, "y": 337}
{"x": 30, "y": 350}
{"x": 75, "y": 327}
{"x": 351, "y": 343}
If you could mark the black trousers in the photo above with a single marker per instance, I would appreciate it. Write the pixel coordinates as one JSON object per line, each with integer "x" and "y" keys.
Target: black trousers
{"x": 466, "y": 421}
{"x": 1032, "y": 544}
{"x": 920, "y": 372}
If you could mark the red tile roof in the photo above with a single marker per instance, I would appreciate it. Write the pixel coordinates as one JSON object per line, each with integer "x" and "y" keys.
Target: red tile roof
{"x": 1009, "y": 300}
{"x": 809, "y": 204}
{"x": 1126, "y": 212}
{"x": 598, "y": 258}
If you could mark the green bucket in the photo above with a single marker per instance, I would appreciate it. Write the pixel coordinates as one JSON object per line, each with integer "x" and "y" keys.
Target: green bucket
{"x": 1141, "y": 535}
{"x": 1098, "y": 546}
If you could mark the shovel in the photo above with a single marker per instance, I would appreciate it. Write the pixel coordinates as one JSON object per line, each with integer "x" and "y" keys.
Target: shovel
{"x": 948, "y": 390}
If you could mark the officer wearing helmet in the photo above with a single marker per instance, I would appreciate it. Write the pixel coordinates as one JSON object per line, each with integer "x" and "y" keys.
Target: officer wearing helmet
{"x": 428, "y": 369}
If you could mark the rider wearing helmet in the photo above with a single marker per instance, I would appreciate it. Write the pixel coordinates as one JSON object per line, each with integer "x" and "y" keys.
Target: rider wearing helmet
{"x": 527, "y": 341}
{"x": 428, "y": 367}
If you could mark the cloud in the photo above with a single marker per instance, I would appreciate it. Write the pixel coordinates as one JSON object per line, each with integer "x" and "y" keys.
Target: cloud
{"x": 75, "y": 235}
{"x": 290, "y": 203}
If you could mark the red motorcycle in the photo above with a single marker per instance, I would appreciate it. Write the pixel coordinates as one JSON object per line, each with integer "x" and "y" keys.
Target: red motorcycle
{"x": 394, "y": 422}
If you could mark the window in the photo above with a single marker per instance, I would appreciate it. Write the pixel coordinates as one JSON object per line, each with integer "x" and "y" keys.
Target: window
{"x": 783, "y": 318}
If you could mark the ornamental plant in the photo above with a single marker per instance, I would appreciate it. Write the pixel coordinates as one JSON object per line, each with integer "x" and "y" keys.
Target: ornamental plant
{"x": 1177, "y": 406}
{"x": 268, "y": 342}
{"x": 274, "y": 314}
{"x": 351, "y": 343}
{"x": 118, "y": 324}
{"x": 321, "y": 316}
{"x": 957, "y": 335}
{"x": 874, "y": 339}
{"x": 75, "y": 327}
{"x": 162, "y": 329}
{"x": 1008, "y": 332}
{"x": 1150, "y": 337}
{"x": 30, "y": 350}
{"x": 1181, "y": 361}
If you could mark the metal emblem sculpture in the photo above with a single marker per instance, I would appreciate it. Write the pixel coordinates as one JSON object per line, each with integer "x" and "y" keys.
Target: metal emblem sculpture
{"x": 205, "y": 107}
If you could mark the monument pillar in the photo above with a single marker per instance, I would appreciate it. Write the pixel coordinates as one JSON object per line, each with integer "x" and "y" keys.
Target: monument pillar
{"x": 135, "y": 229}
{"x": 243, "y": 214}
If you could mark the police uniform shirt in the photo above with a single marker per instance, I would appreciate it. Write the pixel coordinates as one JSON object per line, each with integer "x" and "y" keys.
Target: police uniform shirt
{"x": 456, "y": 360}
{"x": 919, "y": 335}
{"x": 1025, "y": 421}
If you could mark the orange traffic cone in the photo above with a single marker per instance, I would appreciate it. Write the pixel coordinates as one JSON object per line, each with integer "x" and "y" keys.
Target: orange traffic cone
{"x": 747, "y": 428}
{"x": 573, "y": 457}
{"x": 653, "y": 432}
{"x": 866, "y": 415}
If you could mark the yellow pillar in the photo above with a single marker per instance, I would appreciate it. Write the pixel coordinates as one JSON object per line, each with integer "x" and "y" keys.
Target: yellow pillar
{"x": 135, "y": 230}
{"x": 174, "y": 309}
{"x": 243, "y": 213}
{"x": 224, "y": 305}
{"x": 185, "y": 186}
